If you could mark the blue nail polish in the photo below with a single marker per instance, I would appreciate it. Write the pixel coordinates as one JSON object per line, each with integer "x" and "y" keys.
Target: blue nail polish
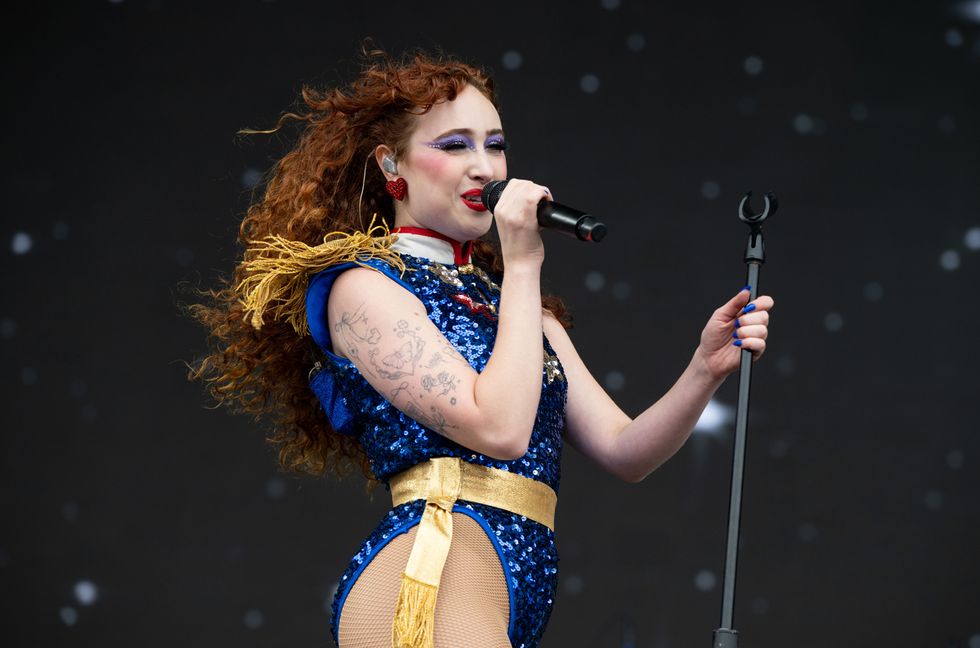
{"x": 735, "y": 335}
{"x": 749, "y": 288}
{"x": 737, "y": 323}
{"x": 748, "y": 309}
{"x": 737, "y": 343}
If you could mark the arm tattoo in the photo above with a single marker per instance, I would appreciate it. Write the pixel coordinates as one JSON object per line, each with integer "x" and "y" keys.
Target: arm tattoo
{"x": 450, "y": 352}
{"x": 441, "y": 384}
{"x": 362, "y": 344}
{"x": 436, "y": 359}
{"x": 402, "y": 362}
{"x": 398, "y": 390}
{"x": 434, "y": 420}
{"x": 353, "y": 330}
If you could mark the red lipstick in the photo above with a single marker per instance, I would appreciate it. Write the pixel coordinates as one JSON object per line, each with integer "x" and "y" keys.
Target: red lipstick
{"x": 472, "y": 200}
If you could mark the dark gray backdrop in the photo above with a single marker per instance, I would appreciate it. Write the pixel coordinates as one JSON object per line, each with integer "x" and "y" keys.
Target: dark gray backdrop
{"x": 134, "y": 516}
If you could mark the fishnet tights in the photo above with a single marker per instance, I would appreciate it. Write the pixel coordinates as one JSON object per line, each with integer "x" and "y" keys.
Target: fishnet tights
{"x": 473, "y": 607}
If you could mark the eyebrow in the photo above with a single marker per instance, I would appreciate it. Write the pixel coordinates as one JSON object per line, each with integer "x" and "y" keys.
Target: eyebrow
{"x": 467, "y": 131}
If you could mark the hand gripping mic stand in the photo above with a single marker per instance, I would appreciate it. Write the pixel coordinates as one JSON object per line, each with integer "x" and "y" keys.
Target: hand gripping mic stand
{"x": 755, "y": 256}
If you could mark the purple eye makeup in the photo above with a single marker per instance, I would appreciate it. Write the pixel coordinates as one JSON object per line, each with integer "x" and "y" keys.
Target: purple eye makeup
{"x": 496, "y": 142}
{"x": 460, "y": 142}
{"x": 453, "y": 143}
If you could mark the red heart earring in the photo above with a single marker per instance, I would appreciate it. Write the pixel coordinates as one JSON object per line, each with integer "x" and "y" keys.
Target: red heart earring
{"x": 397, "y": 188}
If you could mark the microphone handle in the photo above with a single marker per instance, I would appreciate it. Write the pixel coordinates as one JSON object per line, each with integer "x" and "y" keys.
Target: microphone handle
{"x": 553, "y": 215}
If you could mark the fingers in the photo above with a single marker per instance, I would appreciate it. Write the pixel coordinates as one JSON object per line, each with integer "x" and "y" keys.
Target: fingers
{"x": 751, "y": 323}
{"x": 755, "y": 345}
{"x": 755, "y": 317}
{"x": 734, "y": 307}
{"x": 760, "y": 331}
{"x": 763, "y": 303}
{"x": 517, "y": 222}
{"x": 739, "y": 305}
{"x": 521, "y": 198}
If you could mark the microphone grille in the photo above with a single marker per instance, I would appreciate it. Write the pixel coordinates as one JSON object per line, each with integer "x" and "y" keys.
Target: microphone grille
{"x": 491, "y": 193}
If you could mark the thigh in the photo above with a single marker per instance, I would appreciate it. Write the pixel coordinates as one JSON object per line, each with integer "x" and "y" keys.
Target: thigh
{"x": 472, "y": 608}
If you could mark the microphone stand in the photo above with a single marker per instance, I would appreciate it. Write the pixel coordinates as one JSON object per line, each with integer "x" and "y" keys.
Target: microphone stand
{"x": 755, "y": 256}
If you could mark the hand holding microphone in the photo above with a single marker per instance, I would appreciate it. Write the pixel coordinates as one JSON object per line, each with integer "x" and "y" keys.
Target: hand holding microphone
{"x": 552, "y": 215}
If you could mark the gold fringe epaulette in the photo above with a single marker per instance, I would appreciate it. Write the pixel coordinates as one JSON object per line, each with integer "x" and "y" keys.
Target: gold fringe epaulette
{"x": 278, "y": 270}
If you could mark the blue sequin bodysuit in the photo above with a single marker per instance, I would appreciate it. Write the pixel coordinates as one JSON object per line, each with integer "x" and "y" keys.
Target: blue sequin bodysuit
{"x": 394, "y": 442}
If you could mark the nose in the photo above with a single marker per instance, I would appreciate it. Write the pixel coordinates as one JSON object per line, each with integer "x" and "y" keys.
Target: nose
{"x": 482, "y": 168}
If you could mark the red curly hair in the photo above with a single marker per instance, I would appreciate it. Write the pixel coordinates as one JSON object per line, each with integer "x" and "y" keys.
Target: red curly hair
{"x": 314, "y": 189}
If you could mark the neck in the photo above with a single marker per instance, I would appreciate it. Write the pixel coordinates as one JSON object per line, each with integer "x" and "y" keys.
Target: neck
{"x": 422, "y": 242}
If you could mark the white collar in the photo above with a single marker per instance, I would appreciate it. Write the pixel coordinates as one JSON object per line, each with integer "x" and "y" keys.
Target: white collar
{"x": 431, "y": 245}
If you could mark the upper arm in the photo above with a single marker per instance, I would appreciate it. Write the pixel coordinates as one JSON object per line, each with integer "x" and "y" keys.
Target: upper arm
{"x": 592, "y": 418}
{"x": 385, "y": 331}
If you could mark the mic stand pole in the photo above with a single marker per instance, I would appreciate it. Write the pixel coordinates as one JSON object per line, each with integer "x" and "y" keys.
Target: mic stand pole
{"x": 755, "y": 256}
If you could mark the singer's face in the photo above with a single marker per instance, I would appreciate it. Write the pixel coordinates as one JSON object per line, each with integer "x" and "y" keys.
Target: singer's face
{"x": 455, "y": 149}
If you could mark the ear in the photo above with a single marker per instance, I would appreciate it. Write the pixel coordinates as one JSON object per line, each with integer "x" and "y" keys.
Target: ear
{"x": 380, "y": 152}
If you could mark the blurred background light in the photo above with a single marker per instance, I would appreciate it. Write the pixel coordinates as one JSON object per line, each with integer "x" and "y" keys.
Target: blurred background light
{"x": 86, "y": 593}
{"x": 715, "y": 418}
{"x": 21, "y": 243}
{"x": 949, "y": 260}
{"x": 968, "y": 10}
{"x": 251, "y": 178}
{"x": 615, "y": 380}
{"x": 972, "y": 238}
{"x": 595, "y": 281}
{"x": 833, "y": 322}
{"x": 512, "y": 60}
{"x": 253, "y": 619}
{"x": 710, "y": 189}
{"x": 705, "y": 580}
{"x": 803, "y": 124}
{"x": 753, "y": 65}
{"x": 589, "y": 83}
{"x": 68, "y": 615}
{"x": 954, "y": 459}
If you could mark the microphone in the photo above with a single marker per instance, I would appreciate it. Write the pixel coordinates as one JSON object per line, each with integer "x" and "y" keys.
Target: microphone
{"x": 552, "y": 215}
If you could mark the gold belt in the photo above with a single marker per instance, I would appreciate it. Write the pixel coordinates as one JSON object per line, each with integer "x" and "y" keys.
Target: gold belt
{"x": 440, "y": 482}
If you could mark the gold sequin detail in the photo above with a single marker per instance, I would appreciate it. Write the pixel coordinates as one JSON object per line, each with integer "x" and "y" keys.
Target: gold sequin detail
{"x": 451, "y": 277}
{"x": 469, "y": 268}
{"x": 446, "y": 275}
{"x": 551, "y": 368}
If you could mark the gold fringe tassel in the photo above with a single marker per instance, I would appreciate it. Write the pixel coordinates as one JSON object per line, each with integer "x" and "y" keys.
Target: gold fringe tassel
{"x": 278, "y": 270}
{"x": 415, "y": 614}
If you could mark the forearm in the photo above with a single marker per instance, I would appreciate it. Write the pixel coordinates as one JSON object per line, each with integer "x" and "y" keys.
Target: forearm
{"x": 509, "y": 388}
{"x": 660, "y": 431}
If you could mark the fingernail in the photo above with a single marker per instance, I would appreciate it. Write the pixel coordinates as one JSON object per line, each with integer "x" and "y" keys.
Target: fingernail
{"x": 737, "y": 343}
{"x": 735, "y": 335}
{"x": 749, "y": 288}
{"x": 737, "y": 323}
{"x": 748, "y": 309}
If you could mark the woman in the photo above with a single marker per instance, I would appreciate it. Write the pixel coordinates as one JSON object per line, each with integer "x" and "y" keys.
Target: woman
{"x": 447, "y": 379}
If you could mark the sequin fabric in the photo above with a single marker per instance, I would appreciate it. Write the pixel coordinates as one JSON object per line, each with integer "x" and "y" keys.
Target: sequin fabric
{"x": 394, "y": 442}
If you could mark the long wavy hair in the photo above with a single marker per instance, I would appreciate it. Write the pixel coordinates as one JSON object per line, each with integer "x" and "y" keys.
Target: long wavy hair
{"x": 324, "y": 184}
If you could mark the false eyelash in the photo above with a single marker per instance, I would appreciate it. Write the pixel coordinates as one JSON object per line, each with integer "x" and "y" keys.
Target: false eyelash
{"x": 451, "y": 144}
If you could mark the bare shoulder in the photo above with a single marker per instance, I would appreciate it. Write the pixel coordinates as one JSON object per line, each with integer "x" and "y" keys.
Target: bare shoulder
{"x": 365, "y": 285}
{"x": 361, "y": 281}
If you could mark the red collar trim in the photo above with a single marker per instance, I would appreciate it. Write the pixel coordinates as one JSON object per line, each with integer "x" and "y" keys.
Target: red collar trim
{"x": 461, "y": 251}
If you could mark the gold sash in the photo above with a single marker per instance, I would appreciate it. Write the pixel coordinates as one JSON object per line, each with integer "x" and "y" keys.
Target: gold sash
{"x": 440, "y": 482}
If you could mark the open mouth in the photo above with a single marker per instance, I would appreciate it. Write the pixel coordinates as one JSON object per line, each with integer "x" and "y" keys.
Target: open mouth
{"x": 472, "y": 200}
